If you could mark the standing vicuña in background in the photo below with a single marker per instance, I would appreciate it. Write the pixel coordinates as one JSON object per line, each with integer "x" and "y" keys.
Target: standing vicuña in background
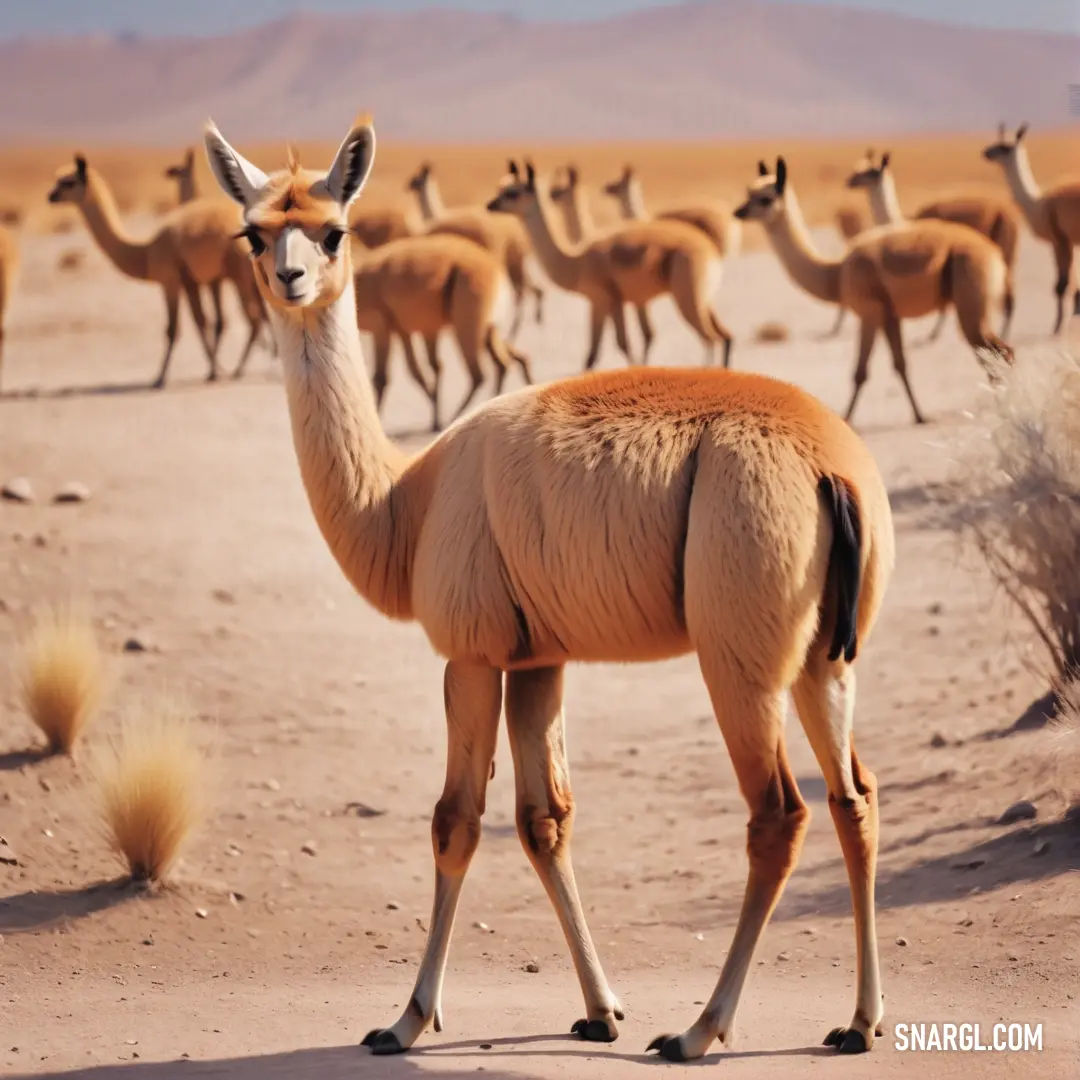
{"x": 625, "y": 516}
{"x": 630, "y": 264}
{"x": 890, "y": 273}
{"x": 232, "y": 268}
{"x": 503, "y": 237}
{"x": 423, "y": 284}
{"x": 1053, "y": 214}
{"x": 986, "y": 214}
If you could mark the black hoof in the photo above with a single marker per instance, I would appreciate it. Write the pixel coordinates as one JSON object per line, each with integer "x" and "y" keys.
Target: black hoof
{"x": 669, "y": 1047}
{"x": 847, "y": 1040}
{"x": 383, "y": 1041}
{"x": 593, "y": 1031}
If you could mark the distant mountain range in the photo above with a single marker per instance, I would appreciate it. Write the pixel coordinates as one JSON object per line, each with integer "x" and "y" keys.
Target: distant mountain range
{"x": 725, "y": 69}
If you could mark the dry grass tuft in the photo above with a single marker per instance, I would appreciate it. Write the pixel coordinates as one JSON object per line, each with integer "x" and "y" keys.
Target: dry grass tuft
{"x": 772, "y": 333}
{"x": 1017, "y": 499}
{"x": 63, "y": 676}
{"x": 71, "y": 260}
{"x": 150, "y": 788}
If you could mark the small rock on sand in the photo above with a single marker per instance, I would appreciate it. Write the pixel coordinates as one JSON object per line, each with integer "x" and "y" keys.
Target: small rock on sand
{"x": 1019, "y": 811}
{"x": 72, "y": 492}
{"x": 18, "y": 490}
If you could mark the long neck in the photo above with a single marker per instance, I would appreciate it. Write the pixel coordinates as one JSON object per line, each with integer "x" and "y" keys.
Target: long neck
{"x": 189, "y": 190}
{"x": 350, "y": 469}
{"x": 586, "y": 224}
{"x": 884, "y": 202}
{"x": 634, "y": 201}
{"x": 431, "y": 202}
{"x": 103, "y": 220}
{"x": 1022, "y": 184}
{"x": 791, "y": 239}
{"x": 563, "y": 265}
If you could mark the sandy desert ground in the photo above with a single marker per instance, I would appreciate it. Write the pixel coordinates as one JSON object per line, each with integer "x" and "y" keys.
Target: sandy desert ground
{"x": 199, "y": 542}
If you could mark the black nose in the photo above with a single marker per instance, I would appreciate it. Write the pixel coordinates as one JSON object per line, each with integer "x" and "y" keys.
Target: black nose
{"x": 287, "y": 277}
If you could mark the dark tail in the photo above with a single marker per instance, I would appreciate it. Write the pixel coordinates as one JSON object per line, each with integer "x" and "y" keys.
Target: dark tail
{"x": 845, "y": 565}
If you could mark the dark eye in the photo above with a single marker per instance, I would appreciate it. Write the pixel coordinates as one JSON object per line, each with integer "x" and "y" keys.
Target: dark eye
{"x": 332, "y": 241}
{"x": 256, "y": 242}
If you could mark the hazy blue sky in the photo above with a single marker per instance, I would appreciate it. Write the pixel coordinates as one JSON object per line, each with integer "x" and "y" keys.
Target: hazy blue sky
{"x": 40, "y": 17}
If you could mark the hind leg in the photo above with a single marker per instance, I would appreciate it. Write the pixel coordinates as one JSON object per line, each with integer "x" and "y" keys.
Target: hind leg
{"x": 751, "y": 720}
{"x": 545, "y": 817}
{"x": 835, "y": 331}
{"x": 867, "y": 333}
{"x": 825, "y": 698}
{"x": 1008, "y": 304}
{"x": 219, "y": 313}
{"x": 622, "y": 339}
{"x": 197, "y": 313}
{"x": 598, "y": 316}
{"x": 648, "y": 335}
{"x": 503, "y": 355}
{"x": 935, "y": 333}
{"x": 896, "y": 344}
{"x": 724, "y": 335}
{"x": 431, "y": 347}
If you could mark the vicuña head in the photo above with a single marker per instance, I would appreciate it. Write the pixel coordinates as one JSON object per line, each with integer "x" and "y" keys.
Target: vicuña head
{"x": 1005, "y": 147}
{"x": 764, "y": 200}
{"x": 185, "y": 169}
{"x": 418, "y": 181}
{"x": 71, "y": 184}
{"x": 517, "y": 190}
{"x": 296, "y": 220}
{"x": 617, "y": 187}
{"x": 564, "y": 183}
{"x": 867, "y": 174}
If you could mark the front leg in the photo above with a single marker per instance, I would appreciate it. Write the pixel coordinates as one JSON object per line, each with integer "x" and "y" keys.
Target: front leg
{"x": 473, "y": 695}
{"x": 545, "y": 816}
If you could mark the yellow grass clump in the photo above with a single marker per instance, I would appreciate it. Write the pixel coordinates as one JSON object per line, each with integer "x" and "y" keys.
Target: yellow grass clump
{"x": 150, "y": 790}
{"x": 63, "y": 676}
{"x": 1017, "y": 498}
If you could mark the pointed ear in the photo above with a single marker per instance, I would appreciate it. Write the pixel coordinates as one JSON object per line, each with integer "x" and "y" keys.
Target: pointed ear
{"x": 512, "y": 168}
{"x": 884, "y": 161}
{"x": 80, "y": 167}
{"x": 762, "y": 169}
{"x": 189, "y": 158}
{"x": 530, "y": 175}
{"x": 238, "y": 178}
{"x": 572, "y": 175}
{"x": 1001, "y": 131}
{"x": 1021, "y": 131}
{"x": 781, "y": 175}
{"x": 353, "y": 162}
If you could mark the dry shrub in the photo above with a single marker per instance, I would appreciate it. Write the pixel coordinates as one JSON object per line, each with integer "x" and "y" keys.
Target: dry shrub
{"x": 1066, "y": 749}
{"x": 71, "y": 260}
{"x": 63, "y": 676}
{"x": 1017, "y": 498}
{"x": 10, "y": 215}
{"x": 150, "y": 788}
{"x": 772, "y": 333}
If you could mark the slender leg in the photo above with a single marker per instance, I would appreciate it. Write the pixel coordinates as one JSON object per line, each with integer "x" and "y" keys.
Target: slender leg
{"x": 1, "y": 354}
{"x": 381, "y": 376}
{"x": 412, "y": 364}
{"x": 1008, "y": 304}
{"x": 724, "y": 335}
{"x": 499, "y": 357}
{"x": 598, "y": 316}
{"x": 825, "y": 698}
{"x": 469, "y": 344}
{"x": 896, "y": 344}
{"x": 219, "y": 313}
{"x": 835, "y": 331}
{"x": 197, "y": 313}
{"x": 431, "y": 346}
{"x": 255, "y": 323}
{"x": 545, "y": 817}
{"x": 172, "y": 307}
{"x": 751, "y": 721}
{"x": 516, "y": 273}
{"x": 935, "y": 333}
{"x": 538, "y": 297}
{"x": 473, "y": 695}
{"x": 648, "y": 335}
{"x": 867, "y": 333}
{"x": 1063, "y": 257}
{"x": 622, "y": 339}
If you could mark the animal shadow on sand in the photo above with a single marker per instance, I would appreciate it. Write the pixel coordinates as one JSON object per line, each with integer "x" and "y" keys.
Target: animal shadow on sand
{"x": 355, "y": 1063}
{"x": 14, "y": 760}
{"x": 1034, "y": 853}
{"x": 27, "y": 912}
{"x": 36, "y": 393}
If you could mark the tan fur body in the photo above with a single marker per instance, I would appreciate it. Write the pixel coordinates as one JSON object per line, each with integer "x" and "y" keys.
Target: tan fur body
{"x": 424, "y": 284}
{"x": 988, "y": 215}
{"x": 504, "y": 237}
{"x": 716, "y": 221}
{"x": 616, "y": 516}
{"x": 889, "y": 273}
{"x": 631, "y": 263}
{"x": 373, "y": 228}
{"x": 1053, "y": 213}
{"x": 9, "y": 269}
